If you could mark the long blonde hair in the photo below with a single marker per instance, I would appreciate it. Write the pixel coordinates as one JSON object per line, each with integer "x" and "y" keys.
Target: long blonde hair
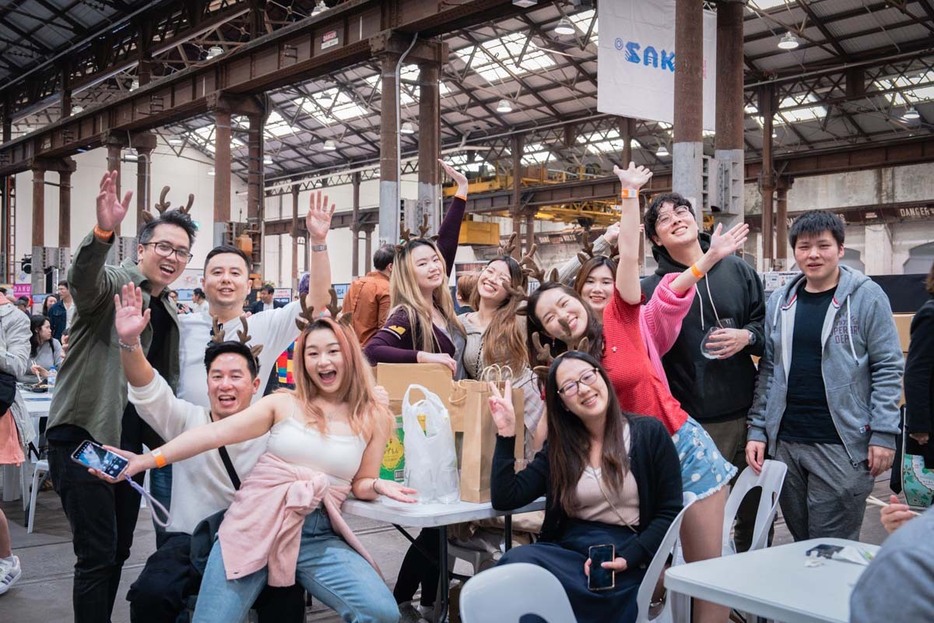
{"x": 504, "y": 339}
{"x": 404, "y": 293}
{"x": 357, "y": 386}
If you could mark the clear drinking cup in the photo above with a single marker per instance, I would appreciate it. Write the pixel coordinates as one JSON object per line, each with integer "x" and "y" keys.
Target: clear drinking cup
{"x": 725, "y": 323}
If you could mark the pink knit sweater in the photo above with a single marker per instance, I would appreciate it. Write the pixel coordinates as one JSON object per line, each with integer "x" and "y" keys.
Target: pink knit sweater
{"x": 263, "y": 526}
{"x": 660, "y": 321}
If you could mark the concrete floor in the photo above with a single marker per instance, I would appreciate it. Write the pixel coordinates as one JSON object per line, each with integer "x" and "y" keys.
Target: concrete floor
{"x": 43, "y": 594}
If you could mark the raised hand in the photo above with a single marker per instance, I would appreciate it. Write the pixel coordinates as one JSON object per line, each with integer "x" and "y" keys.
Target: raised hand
{"x": 455, "y": 175}
{"x": 611, "y": 235}
{"x": 110, "y": 210}
{"x": 130, "y": 319}
{"x": 504, "y": 415}
{"x": 633, "y": 176}
{"x": 724, "y": 244}
{"x": 318, "y": 219}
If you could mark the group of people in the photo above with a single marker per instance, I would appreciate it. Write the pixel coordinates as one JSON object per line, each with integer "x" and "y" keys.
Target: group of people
{"x": 636, "y": 392}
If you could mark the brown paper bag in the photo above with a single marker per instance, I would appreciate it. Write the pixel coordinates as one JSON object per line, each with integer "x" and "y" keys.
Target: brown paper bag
{"x": 471, "y": 400}
{"x": 396, "y": 378}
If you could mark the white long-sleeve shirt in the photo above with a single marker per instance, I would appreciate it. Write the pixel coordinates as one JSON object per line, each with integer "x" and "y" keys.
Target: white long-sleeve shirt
{"x": 201, "y": 485}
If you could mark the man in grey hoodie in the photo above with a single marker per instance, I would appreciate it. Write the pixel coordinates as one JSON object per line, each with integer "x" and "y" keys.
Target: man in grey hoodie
{"x": 828, "y": 387}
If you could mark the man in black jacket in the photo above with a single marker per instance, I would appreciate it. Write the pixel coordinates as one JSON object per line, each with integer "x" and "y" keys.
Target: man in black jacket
{"x": 715, "y": 387}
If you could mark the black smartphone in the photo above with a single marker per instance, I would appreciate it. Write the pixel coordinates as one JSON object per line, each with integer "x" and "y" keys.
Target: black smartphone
{"x": 94, "y": 456}
{"x": 601, "y": 579}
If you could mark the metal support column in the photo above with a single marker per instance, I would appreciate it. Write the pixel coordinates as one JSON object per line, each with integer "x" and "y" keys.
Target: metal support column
{"x": 64, "y": 204}
{"x": 255, "y": 202}
{"x": 781, "y": 220}
{"x": 355, "y": 228}
{"x": 688, "y": 145}
{"x": 368, "y": 249}
{"x": 221, "y": 174}
{"x": 295, "y": 235}
{"x": 517, "y": 147}
{"x": 429, "y": 143}
{"x": 730, "y": 113}
{"x": 388, "y": 156}
{"x": 767, "y": 177}
{"x": 144, "y": 143}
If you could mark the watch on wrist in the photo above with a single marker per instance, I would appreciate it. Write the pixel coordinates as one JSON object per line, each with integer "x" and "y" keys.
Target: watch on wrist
{"x": 752, "y": 337}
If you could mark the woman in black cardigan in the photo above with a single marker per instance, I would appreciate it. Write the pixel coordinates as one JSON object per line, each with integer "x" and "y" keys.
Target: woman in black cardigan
{"x": 919, "y": 376}
{"x": 608, "y": 476}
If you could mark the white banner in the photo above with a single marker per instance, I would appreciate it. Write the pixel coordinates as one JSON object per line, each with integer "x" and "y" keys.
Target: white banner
{"x": 636, "y": 61}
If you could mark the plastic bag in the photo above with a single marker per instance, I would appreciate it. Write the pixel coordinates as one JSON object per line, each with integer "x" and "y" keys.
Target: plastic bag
{"x": 430, "y": 457}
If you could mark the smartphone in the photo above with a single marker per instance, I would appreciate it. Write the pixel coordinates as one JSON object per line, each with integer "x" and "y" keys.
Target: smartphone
{"x": 601, "y": 579}
{"x": 94, "y": 456}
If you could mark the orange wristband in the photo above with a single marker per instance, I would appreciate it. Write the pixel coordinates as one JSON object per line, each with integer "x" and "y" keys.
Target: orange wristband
{"x": 696, "y": 271}
{"x": 159, "y": 459}
{"x": 629, "y": 193}
{"x": 103, "y": 234}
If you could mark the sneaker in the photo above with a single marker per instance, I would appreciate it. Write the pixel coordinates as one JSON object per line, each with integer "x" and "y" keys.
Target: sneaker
{"x": 9, "y": 573}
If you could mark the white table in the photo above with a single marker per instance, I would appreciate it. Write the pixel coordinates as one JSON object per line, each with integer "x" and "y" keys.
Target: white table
{"x": 38, "y": 407}
{"x": 435, "y": 516}
{"x": 775, "y": 582}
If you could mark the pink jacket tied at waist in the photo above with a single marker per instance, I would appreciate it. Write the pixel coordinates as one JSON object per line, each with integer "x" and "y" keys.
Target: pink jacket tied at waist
{"x": 263, "y": 526}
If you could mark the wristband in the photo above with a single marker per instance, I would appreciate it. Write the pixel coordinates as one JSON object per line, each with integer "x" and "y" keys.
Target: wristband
{"x": 319, "y": 247}
{"x": 629, "y": 193}
{"x": 103, "y": 234}
{"x": 696, "y": 271}
{"x": 128, "y": 347}
{"x": 158, "y": 458}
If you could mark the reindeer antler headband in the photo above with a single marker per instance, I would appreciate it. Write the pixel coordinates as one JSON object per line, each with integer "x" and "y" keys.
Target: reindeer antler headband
{"x": 406, "y": 236}
{"x": 163, "y": 206}
{"x": 307, "y": 316}
{"x": 543, "y": 354}
{"x": 242, "y": 334}
{"x": 587, "y": 253}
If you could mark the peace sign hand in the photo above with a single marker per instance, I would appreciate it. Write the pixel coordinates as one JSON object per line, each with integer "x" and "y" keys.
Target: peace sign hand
{"x": 504, "y": 416}
{"x": 318, "y": 219}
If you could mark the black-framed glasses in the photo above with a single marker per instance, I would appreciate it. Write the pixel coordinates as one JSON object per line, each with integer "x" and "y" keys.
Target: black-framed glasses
{"x": 679, "y": 211}
{"x": 164, "y": 249}
{"x": 571, "y": 388}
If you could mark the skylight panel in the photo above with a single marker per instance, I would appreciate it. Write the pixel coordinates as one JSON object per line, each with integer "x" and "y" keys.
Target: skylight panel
{"x": 535, "y": 153}
{"x": 766, "y": 5}
{"x": 808, "y": 113}
{"x": 582, "y": 22}
{"x": 911, "y": 89}
{"x": 496, "y": 59}
{"x": 329, "y": 106}
{"x": 605, "y": 142}
{"x": 278, "y": 127}
{"x": 409, "y": 90}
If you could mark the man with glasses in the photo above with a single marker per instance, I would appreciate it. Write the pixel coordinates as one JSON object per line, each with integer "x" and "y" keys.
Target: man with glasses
{"x": 90, "y": 400}
{"x": 709, "y": 367}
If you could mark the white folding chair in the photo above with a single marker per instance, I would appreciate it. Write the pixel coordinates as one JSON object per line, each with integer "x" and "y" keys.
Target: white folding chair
{"x": 771, "y": 479}
{"x": 41, "y": 467}
{"x": 657, "y": 568}
{"x": 508, "y": 592}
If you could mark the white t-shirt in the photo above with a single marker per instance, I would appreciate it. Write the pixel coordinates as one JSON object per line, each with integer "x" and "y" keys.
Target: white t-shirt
{"x": 70, "y": 315}
{"x": 275, "y": 330}
{"x": 201, "y": 485}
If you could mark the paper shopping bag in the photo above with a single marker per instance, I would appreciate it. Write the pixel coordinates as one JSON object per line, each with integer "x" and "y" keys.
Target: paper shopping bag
{"x": 471, "y": 398}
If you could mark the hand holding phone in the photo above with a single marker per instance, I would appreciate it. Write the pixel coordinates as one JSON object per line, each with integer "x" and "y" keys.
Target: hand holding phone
{"x": 97, "y": 458}
{"x": 601, "y": 579}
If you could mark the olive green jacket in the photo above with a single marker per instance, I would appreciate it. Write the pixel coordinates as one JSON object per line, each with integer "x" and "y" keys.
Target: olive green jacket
{"x": 91, "y": 388}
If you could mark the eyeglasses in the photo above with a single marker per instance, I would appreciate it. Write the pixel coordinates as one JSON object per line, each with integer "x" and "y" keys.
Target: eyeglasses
{"x": 571, "y": 388}
{"x": 164, "y": 249}
{"x": 664, "y": 220}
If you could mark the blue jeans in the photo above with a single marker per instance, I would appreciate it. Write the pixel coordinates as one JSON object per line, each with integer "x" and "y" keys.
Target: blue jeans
{"x": 160, "y": 487}
{"x": 328, "y": 569}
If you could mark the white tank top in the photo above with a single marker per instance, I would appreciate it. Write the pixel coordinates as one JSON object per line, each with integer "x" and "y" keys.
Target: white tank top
{"x": 298, "y": 443}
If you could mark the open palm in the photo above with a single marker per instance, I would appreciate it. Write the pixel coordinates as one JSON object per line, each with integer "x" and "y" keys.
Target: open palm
{"x": 110, "y": 210}
{"x": 633, "y": 176}
{"x": 318, "y": 219}
{"x": 130, "y": 319}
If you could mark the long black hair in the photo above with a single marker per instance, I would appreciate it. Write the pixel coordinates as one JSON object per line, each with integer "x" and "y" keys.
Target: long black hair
{"x": 569, "y": 440}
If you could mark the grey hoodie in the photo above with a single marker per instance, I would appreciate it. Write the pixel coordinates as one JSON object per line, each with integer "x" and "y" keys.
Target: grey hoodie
{"x": 861, "y": 361}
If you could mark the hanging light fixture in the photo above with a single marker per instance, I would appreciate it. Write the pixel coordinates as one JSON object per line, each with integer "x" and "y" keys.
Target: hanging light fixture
{"x": 564, "y": 27}
{"x": 911, "y": 114}
{"x": 267, "y": 160}
{"x": 214, "y": 51}
{"x": 504, "y": 106}
{"x": 407, "y": 128}
{"x": 135, "y": 84}
{"x": 320, "y": 8}
{"x": 211, "y": 172}
{"x": 788, "y": 42}
{"x": 330, "y": 145}
{"x": 662, "y": 151}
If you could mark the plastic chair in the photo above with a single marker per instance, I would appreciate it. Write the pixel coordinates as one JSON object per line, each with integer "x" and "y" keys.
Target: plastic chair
{"x": 771, "y": 479}
{"x": 41, "y": 468}
{"x": 508, "y": 592}
{"x": 657, "y": 567}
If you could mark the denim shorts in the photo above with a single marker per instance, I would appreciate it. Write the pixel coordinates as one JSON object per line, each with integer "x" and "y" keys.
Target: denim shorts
{"x": 704, "y": 471}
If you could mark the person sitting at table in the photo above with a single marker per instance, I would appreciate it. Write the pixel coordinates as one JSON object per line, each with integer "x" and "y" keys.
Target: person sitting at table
{"x": 44, "y": 351}
{"x": 897, "y": 584}
{"x": 326, "y": 439}
{"x": 609, "y": 477}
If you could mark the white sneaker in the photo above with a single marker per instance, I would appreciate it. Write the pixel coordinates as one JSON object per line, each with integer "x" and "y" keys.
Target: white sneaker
{"x": 9, "y": 573}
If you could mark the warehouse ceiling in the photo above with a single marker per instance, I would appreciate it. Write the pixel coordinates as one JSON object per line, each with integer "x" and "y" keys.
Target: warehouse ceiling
{"x": 861, "y": 75}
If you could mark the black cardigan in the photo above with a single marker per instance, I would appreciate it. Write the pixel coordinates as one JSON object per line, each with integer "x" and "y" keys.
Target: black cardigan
{"x": 653, "y": 461}
{"x": 919, "y": 377}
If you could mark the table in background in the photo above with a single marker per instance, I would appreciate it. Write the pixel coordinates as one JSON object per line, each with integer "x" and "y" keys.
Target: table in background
{"x": 775, "y": 583}
{"x": 38, "y": 407}
{"x": 435, "y": 516}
